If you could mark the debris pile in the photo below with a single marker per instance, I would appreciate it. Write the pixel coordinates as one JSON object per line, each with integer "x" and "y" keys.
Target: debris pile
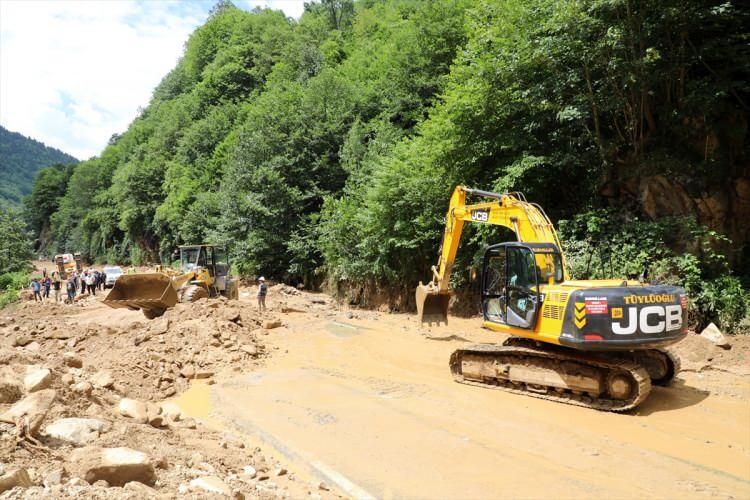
{"x": 84, "y": 408}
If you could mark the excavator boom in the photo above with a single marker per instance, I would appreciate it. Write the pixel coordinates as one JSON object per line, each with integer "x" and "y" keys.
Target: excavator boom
{"x": 527, "y": 220}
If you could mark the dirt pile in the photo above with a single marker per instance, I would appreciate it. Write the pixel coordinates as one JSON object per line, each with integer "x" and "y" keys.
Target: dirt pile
{"x": 83, "y": 410}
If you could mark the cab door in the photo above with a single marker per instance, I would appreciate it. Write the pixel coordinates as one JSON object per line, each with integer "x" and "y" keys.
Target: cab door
{"x": 493, "y": 284}
{"x": 522, "y": 287}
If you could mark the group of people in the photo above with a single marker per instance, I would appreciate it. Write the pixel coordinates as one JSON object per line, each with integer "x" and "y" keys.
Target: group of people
{"x": 89, "y": 281}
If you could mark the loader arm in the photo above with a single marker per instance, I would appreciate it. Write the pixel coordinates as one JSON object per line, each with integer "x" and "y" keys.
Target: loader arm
{"x": 527, "y": 220}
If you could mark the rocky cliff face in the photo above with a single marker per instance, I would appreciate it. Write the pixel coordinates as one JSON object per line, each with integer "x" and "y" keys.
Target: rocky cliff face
{"x": 724, "y": 208}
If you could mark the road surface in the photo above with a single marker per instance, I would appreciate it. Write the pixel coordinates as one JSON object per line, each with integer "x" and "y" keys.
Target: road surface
{"x": 369, "y": 406}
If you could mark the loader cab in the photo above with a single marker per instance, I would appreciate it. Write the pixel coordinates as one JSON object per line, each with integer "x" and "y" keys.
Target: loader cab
{"x": 511, "y": 282}
{"x": 209, "y": 257}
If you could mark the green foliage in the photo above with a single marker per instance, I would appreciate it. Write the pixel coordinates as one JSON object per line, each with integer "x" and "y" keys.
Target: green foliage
{"x": 20, "y": 158}
{"x": 15, "y": 242}
{"x": 327, "y": 148}
{"x": 605, "y": 244}
{"x": 11, "y": 285}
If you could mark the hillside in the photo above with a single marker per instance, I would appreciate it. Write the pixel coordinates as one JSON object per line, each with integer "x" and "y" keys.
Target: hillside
{"x": 20, "y": 159}
{"x": 324, "y": 150}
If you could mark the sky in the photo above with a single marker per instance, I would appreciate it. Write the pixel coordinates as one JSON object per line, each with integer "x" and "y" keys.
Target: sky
{"x": 74, "y": 72}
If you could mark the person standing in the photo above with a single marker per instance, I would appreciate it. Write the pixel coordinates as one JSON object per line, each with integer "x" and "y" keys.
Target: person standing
{"x": 262, "y": 292}
{"x": 74, "y": 279}
{"x": 91, "y": 282}
{"x": 71, "y": 290}
{"x": 47, "y": 282}
{"x": 56, "y": 285}
{"x": 36, "y": 287}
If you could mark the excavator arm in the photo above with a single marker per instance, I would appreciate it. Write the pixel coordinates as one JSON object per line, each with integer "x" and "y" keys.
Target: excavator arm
{"x": 527, "y": 220}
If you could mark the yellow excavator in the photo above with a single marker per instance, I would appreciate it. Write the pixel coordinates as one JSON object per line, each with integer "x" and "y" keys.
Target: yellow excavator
{"x": 68, "y": 263}
{"x": 204, "y": 272}
{"x": 594, "y": 343}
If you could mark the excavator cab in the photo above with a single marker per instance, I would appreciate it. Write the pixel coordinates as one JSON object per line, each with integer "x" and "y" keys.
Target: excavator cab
{"x": 511, "y": 281}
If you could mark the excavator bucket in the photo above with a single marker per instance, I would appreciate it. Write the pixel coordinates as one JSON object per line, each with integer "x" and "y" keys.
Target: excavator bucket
{"x": 152, "y": 292}
{"x": 432, "y": 305}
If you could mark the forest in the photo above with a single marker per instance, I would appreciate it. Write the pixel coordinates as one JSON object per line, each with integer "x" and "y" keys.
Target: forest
{"x": 324, "y": 150}
{"x": 20, "y": 158}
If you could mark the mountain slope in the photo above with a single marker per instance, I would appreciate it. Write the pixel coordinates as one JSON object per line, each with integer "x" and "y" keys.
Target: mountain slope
{"x": 20, "y": 158}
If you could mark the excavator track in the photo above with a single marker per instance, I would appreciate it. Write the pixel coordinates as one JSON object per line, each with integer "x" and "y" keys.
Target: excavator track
{"x": 496, "y": 366}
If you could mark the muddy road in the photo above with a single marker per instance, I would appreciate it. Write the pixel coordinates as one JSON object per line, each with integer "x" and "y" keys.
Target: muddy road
{"x": 364, "y": 402}
{"x": 367, "y": 402}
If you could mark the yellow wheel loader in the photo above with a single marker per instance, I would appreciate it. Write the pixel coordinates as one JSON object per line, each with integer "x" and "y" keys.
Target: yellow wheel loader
{"x": 594, "y": 343}
{"x": 68, "y": 263}
{"x": 204, "y": 272}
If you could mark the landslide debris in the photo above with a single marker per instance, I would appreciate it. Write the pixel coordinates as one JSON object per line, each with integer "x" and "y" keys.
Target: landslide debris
{"x": 85, "y": 410}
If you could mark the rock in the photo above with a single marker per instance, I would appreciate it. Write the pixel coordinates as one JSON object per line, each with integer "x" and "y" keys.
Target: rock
{"x": 67, "y": 379}
{"x": 211, "y": 484}
{"x": 187, "y": 371}
{"x": 22, "y": 340}
{"x": 185, "y": 423}
{"x": 231, "y": 314}
{"x": 349, "y": 315}
{"x": 10, "y": 387}
{"x": 280, "y": 471}
{"x": 196, "y": 458}
{"x": 249, "y": 471}
{"x": 271, "y": 324}
{"x": 141, "y": 338}
{"x": 714, "y": 335}
{"x": 53, "y": 478}
{"x": 117, "y": 466}
{"x": 15, "y": 478}
{"x": 78, "y": 431}
{"x": 155, "y": 418}
{"x": 249, "y": 349}
{"x": 84, "y": 388}
{"x": 33, "y": 408}
{"x": 103, "y": 378}
{"x": 323, "y": 486}
{"x": 33, "y": 347}
{"x": 71, "y": 360}
{"x": 203, "y": 373}
{"x": 140, "y": 489}
{"x": 37, "y": 378}
{"x": 171, "y": 411}
{"x": 137, "y": 410}
{"x": 160, "y": 326}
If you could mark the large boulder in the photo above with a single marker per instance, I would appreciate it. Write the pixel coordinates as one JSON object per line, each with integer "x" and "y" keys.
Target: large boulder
{"x": 78, "y": 431}
{"x": 117, "y": 466}
{"x": 714, "y": 335}
{"x": 33, "y": 408}
{"x": 37, "y": 378}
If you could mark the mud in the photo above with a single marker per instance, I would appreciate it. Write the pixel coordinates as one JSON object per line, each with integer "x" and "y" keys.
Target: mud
{"x": 357, "y": 403}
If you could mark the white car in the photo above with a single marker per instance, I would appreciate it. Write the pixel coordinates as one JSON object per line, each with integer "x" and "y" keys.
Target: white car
{"x": 112, "y": 273}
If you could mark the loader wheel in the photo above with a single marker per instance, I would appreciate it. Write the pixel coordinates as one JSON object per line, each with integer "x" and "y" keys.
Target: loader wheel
{"x": 153, "y": 313}
{"x": 194, "y": 293}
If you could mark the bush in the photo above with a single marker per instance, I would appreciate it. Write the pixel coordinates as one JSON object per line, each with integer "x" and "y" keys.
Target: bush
{"x": 11, "y": 285}
{"x": 610, "y": 244}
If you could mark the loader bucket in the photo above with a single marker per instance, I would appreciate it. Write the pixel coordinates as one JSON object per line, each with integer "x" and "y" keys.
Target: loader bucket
{"x": 152, "y": 292}
{"x": 432, "y": 305}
